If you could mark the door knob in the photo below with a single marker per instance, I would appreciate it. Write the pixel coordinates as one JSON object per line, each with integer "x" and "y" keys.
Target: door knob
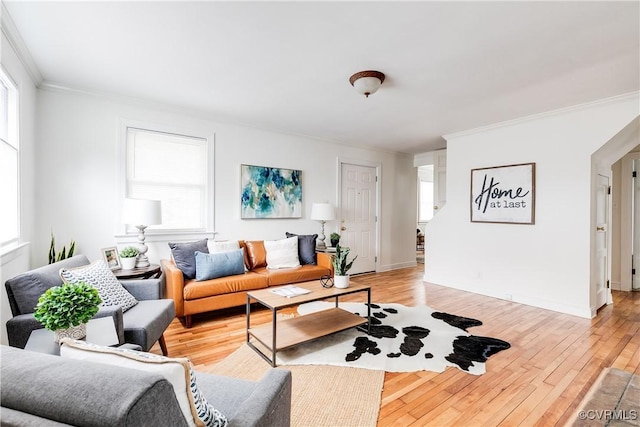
{"x": 343, "y": 228}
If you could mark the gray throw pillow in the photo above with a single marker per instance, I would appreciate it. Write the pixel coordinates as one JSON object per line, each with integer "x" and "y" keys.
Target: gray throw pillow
{"x": 184, "y": 255}
{"x": 306, "y": 248}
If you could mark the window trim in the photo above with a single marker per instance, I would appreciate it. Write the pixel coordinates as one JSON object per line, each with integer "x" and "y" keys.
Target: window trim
{"x": 208, "y": 137}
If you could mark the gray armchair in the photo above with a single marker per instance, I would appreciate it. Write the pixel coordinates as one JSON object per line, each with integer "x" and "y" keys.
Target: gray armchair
{"x": 143, "y": 324}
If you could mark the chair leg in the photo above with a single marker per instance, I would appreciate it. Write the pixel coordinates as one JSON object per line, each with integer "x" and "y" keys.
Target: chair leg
{"x": 187, "y": 321}
{"x": 163, "y": 345}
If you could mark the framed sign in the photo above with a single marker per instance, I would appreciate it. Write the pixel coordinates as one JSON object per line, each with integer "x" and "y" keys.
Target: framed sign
{"x": 504, "y": 194}
{"x": 270, "y": 192}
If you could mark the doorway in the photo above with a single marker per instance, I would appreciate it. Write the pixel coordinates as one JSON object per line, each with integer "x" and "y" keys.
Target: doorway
{"x": 358, "y": 188}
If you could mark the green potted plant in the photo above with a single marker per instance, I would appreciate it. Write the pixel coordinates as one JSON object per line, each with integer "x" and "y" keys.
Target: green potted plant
{"x": 128, "y": 257}
{"x": 66, "y": 309}
{"x": 341, "y": 266}
{"x": 335, "y": 239}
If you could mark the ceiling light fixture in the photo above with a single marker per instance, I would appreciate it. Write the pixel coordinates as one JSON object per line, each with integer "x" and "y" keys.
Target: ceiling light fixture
{"x": 367, "y": 82}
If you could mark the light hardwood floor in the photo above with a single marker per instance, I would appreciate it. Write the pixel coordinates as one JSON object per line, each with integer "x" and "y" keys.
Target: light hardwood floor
{"x": 553, "y": 360}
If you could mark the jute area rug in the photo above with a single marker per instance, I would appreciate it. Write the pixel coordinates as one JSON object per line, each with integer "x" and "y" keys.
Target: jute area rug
{"x": 321, "y": 395}
{"x": 613, "y": 400}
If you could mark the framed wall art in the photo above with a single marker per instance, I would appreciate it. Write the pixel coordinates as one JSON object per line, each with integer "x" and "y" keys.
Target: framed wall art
{"x": 270, "y": 192}
{"x": 504, "y": 194}
{"x": 111, "y": 257}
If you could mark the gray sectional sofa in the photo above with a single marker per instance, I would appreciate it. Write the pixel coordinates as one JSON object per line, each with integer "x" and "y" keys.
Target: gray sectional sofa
{"x": 44, "y": 390}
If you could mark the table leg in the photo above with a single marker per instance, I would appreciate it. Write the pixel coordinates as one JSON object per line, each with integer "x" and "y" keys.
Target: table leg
{"x": 248, "y": 315}
{"x": 273, "y": 345}
{"x": 369, "y": 311}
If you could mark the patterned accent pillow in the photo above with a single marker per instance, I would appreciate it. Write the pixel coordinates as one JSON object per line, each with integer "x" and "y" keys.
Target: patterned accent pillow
{"x": 100, "y": 276}
{"x": 178, "y": 371}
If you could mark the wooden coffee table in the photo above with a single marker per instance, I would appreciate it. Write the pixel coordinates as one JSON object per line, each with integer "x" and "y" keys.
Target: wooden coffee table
{"x": 285, "y": 333}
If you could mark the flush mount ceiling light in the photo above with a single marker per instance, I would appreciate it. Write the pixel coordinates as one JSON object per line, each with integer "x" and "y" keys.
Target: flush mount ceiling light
{"x": 367, "y": 82}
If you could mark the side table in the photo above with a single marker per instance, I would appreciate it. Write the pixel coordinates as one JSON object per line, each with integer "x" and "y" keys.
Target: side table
{"x": 153, "y": 271}
{"x": 100, "y": 331}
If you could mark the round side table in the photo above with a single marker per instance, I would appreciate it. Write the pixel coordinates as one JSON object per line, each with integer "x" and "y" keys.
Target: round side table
{"x": 153, "y": 271}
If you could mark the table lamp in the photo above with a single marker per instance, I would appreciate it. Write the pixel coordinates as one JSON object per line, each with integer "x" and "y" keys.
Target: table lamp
{"x": 322, "y": 212}
{"x": 141, "y": 214}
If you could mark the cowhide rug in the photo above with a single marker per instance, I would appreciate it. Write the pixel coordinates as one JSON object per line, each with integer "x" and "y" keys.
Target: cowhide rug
{"x": 403, "y": 339}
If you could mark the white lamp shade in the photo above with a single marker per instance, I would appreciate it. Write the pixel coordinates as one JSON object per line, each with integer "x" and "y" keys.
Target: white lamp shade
{"x": 367, "y": 85}
{"x": 141, "y": 212}
{"x": 322, "y": 212}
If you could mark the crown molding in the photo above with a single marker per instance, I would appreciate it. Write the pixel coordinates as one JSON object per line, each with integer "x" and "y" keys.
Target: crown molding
{"x": 17, "y": 43}
{"x": 611, "y": 100}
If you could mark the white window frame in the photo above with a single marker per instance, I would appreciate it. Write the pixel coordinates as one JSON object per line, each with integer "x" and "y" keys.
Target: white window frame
{"x": 155, "y": 234}
{"x": 13, "y": 111}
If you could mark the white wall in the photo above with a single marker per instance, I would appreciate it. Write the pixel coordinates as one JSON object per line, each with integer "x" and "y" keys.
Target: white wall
{"x": 547, "y": 264}
{"x": 18, "y": 260}
{"x": 77, "y": 177}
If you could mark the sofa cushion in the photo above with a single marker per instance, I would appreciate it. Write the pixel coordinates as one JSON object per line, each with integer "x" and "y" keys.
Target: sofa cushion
{"x": 224, "y": 285}
{"x": 184, "y": 255}
{"x": 286, "y": 276}
{"x": 256, "y": 253}
{"x": 282, "y": 253}
{"x": 100, "y": 276}
{"x": 212, "y": 266}
{"x": 178, "y": 371}
{"x": 306, "y": 248}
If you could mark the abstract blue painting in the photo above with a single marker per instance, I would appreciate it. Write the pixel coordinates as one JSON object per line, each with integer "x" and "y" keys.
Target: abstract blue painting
{"x": 270, "y": 192}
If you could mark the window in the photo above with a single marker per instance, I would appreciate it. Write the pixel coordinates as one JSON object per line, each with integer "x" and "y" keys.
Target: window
{"x": 9, "y": 161}
{"x": 174, "y": 169}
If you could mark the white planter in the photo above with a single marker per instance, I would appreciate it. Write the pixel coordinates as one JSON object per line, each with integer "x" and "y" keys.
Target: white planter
{"x": 128, "y": 263}
{"x": 74, "y": 332}
{"x": 341, "y": 282}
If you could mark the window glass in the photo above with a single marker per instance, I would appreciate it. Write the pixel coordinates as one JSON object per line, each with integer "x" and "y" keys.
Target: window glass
{"x": 173, "y": 169}
{"x": 9, "y": 161}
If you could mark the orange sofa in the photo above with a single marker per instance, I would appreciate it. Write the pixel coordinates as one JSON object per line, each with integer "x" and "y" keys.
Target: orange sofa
{"x": 193, "y": 297}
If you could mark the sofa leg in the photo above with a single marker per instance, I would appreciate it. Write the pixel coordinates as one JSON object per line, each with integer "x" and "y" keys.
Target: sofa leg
{"x": 163, "y": 345}
{"x": 187, "y": 321}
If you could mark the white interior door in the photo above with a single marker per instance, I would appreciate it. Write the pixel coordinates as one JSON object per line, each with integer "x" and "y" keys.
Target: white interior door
{"x": 358, "y": 190}
{"x": 602, "y": 239}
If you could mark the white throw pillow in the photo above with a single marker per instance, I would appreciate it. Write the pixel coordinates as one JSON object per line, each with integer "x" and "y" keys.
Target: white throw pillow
{"x": 216, "y": 246}
{"x": 178, "y": 371}
{"x": 100, "y": 276}
{"x": 219, "y": 246}
{"x": 282, "y": 253}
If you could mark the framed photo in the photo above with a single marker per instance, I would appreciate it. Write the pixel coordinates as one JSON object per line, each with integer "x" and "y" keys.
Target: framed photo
{"x": 504, "y": 194}
{"x": 270, "y": 192}
{"x": 111, "y": 257}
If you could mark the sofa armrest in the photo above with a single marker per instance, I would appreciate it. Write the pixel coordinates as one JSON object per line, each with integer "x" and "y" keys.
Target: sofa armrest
{"x": 144, "y": 289}
{"x": 19, "y": 329}
{"x": 269, "y": 404}
{"x": 115, "y": 312}
{"x": 324, "y": 260}
{"x": 174, "y": 285}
